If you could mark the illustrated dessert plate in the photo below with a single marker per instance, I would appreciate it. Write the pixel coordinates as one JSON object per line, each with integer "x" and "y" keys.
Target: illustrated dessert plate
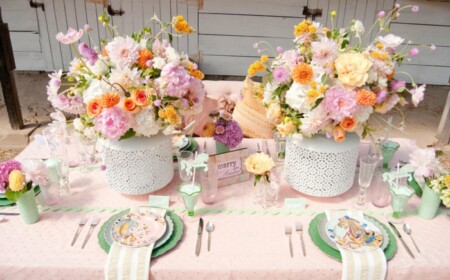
{"x": 138, "y": 229}
{"x": 354, "y": 233}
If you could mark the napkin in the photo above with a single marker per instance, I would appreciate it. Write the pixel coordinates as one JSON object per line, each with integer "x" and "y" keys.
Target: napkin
{"x": 130, "y": 263}
{"x": 360, "y": 265}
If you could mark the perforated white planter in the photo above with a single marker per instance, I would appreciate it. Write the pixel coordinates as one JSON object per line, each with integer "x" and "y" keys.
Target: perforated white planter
{"x": 319, "y": 166}
{"x": 138, "y": 165}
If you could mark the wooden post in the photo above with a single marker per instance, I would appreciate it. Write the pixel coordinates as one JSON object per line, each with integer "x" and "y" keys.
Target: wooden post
{"x": 444, "y": 125}
{"x": 7, "y": 66}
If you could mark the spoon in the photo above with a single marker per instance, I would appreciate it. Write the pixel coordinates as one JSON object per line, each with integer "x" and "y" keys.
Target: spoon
{"x": 407, "y": 230}
{"x": 209, "y": 229}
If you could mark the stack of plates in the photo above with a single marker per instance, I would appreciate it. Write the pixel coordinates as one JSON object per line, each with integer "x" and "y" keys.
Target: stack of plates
{"x": 166, "y": 231}
{"x": 6, "y": 202}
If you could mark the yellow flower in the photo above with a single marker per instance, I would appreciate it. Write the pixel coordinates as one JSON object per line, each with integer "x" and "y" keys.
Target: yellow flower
{"x": 255, "y": 67}
{"x": 16, "y": 180}
{"x": 287, "y": 127}
{"x": 352, "y": 69}
{"x": 379, "y": 46}
{"x": 259, "y": 164}
{"x": 208, "y": 129}
{"x": 302, "y": 28}
{"x": 264, "y": 58}
{"x": 447, "y": 180}
{"x": 311, "y": 96}
{"x": 181, "y": 25}
{"x": 333, "y": 13}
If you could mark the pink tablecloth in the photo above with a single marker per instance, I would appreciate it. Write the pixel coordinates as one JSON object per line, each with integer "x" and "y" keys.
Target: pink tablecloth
{"x": 244, "y": 246}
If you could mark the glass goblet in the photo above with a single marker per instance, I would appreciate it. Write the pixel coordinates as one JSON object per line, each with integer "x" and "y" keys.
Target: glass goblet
{"x": 190, "y": 191}
{"x": 367, "y": 165}
{"x": 400, "y": 196}
{"x": 388, "y": 149}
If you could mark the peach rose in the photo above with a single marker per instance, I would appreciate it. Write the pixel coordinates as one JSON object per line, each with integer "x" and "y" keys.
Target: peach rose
{"x": 109, "y": 99}
{"x": 129, "y": 105}
{"x": 348, "y": 124}
{"x": 259, "y": 164}
{"x": 141, "y": 97}
{"x": 287, "y": 127}
{"x": 94, "y": 108}
{"x": 352, "y": 69}
{"x": 338, "y": 134}
{"x": 16, "y": 180}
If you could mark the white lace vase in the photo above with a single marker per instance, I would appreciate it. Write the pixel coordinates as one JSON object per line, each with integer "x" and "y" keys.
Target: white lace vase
{"x": 138, "y": 165}
{"x": 319, "y": 166}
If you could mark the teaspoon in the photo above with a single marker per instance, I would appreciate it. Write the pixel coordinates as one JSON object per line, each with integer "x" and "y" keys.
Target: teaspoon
{"x": 407, "y": 230}
{"x": 209, "y": 229}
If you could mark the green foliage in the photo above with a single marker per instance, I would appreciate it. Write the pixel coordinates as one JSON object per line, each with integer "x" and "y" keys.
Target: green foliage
{"x": 317, "y": 103}
{"x": 130, "y": 133}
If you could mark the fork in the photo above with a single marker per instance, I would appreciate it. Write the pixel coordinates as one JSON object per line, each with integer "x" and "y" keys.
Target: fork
{"x": 288, "y": 232}
{"x": 80, "y": 227}
{"x": 94, "y": 223}
{"x": 299, "y": 229}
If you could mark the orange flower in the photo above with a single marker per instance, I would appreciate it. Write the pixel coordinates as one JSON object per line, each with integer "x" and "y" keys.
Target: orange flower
{"x": 302, "y": 73}
{"x": 94, "y": 108}
{"x": 391, "y": 76}
{"x": 129, "y": 105}
{"x": 348, "y": 124}
{"x": 366, "y": 98}
{"x": 105, "y": 52}
{"x": 140, "y": 97}
{"x": 144, "y": 56}
{"x": 338, "y": 134}
{"x": 208, "y": 129}
{"x": 109, "y": 99}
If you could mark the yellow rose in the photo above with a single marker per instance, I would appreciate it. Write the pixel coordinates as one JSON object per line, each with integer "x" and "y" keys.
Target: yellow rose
{"x": 273, "y": 112}
{"x": 16, "y": 180}
{"x": 352, "y": 69}
{"x": 447, "y": 180}
{"x": 286, "y": 128}
{"x": 259, "y": 164}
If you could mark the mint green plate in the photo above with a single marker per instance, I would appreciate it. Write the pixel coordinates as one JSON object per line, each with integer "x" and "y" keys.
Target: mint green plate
{"x": 177, "y": 233}
{"x": 313, "y": 231}
{"x": 6, "y": 202}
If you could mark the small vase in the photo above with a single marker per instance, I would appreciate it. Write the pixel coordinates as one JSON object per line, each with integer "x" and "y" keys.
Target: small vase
{"x": 266, "y": 193}
{"x": 27, "y": 207}
{"x": 429, "y": 204}
{"x": 381, "y": 196}
{"x": 221, "y": 148}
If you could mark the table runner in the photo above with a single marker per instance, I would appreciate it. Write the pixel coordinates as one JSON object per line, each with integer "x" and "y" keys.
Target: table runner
{"x": 43, "y": 250}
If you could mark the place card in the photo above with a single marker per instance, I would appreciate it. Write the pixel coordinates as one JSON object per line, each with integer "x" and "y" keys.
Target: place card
{"x": 228, "y": 168}
{"x": 161, "y": 201}
{"x": 295, "y": 203}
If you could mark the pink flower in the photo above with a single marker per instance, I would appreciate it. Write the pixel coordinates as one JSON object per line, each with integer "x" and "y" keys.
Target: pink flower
{"x": 281, "y": 74}
{"x": 279, "y": 49}
{"x": 324, "y": 51}
{"x": 123, "y": 51}
{"x": 397, "y": 85}
{"x": 196, "y": 92}
{"x": 255, "y": 45}
{"x": 390, "y": 40}
{"x": 381, "y": 14}
{"x": 433, "y": 47}
{"x": 340, "y": 102}
{"x": 219, "y": 129}
{"x": 174, "y": 80}
{"x": 159, "y": 47}
{"x": 291, "y": 57}
{"x": 381, "y": 96}
{"x": 112, "y": 123}
{"x": 72, "y": 104}
{"x": 71, "y": 37}
{"x": 424, "y": 162}
{"x": 415, "y": 9}
{"x": 417, "y": 94}
{"x": 413, "y": 51}
{"x": 87, "y": 27}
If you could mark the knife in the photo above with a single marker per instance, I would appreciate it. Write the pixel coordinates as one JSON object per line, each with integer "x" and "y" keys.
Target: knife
{"x": 199, "y": 237}
{"x": 401, "y": 239}
{"x": 9, "y": 214}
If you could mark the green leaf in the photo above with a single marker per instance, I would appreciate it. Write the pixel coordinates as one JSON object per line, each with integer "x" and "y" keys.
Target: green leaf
{"x": 317, "y": 103}
{"x": 325, "y": 79}
{"x": 130, "y": 133}
{"x": 169, "y": 98}
{"x": 344, "y": 43}
{"x": 149, "y": 43}
{"x": 257, "y": 178}
{"x": 170, "y": 38}
{"x": 13, "y": 196}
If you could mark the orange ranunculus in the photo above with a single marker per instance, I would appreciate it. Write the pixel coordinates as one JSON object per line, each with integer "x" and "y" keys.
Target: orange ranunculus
{"x": 348, "y": 124}
{"x": 129, "y": 105}
{"x": 302, "y": 73}
{"x": 144, "y": 56}
{"x": 338, "y": 134}
{"x": 109, "y": 99}
{"x": 391, "y": 76}
{"x": 140, "y": 97}
{"x": 105, "y": 52}
{"x": 94, "y": 108}
{"x": 366, "y": 97}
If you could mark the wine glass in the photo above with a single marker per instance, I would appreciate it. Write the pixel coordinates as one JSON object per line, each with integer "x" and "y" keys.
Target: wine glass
{"x": 367, "y": 165}
{"x": 388, "y": 149}
{"x": 400, "y": 195}
{"x": 190, "y": 191}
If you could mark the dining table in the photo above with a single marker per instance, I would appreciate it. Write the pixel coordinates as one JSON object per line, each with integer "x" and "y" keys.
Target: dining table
{"x": 248, "y": 241}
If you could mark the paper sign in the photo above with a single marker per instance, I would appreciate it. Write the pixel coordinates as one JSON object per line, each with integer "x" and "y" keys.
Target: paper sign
{"x": 295, "y": 203}
{"x": 228, "y": 168}
{"x": 160, "y": 201}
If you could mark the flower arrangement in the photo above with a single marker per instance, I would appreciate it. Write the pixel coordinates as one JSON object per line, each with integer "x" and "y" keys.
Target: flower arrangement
{"x": 16, "y": 178}
{"x": 259, "y": 164}
{"x": 327, "y": 84}
{"x": 224, "y": 129}
{"x": 130, "y": 85}
{"x": 441, "y": 186}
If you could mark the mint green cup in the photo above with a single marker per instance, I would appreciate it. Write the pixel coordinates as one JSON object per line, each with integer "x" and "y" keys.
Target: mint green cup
{"x": 27, "y": 207}
{"x": 429, "y": 204}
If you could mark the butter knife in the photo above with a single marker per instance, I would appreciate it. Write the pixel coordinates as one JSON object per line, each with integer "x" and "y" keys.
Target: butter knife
{"x": 199, "y": 237}
{"x": 401, "y": 239}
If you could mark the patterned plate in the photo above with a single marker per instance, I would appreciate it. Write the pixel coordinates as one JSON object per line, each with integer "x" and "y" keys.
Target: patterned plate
{"x": 138, "y": 229}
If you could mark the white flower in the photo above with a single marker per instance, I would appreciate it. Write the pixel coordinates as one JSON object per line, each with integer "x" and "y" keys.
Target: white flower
{"x": 123, "y": 51}
{"x": 390, "y": 41}
{"x": 125, "y": 77}
{"x": 95, "y": 89}
{"x": 268, "y": 90}
{"x": 90, "y": 133}
{"x": 424, "y": 162}
{"x": 75, "y": 66}
{"x": 296, "y": 97}
{"x": 99, "y": 67}
{"x": 172, "y": 54}
{"x": 314, "y": 121}
{"x": 143, "y": 43}
{"x": 358, "y": 28}
{"x": 35, "y": 171}
{"x": 324, "y": 51}
{"x": 417, "y": 94}
{"x": 78, "y": 124}
{"x": 363, "y": 113}
{"x": 158, "y": 63}
{"x": 145, "y": 123}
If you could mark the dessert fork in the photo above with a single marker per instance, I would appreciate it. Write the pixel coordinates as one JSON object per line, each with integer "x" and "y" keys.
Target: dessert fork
{"x": 80, "y": 227}
{"x": 288, "y": 232}
{"x": 299, "y": 229}
{"x": 94, "y": 222}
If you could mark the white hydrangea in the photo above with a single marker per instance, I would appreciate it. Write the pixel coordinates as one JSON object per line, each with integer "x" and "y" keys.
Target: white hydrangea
{"x": 146, "y": 124}
{"x": 95, "y": 89}
{"x": 172, "y": 54}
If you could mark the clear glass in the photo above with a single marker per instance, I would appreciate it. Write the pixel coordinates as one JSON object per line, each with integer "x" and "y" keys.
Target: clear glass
{"x": 88, "y": 152}
{"x": 267, "y": 193}
{"x": 185, "y": 163}
{"x": 189, "y": 193}
{"x": 367, "y": 165}
{"x": 388, "y": 149}
{"x": 399, "y": 199}
{"x": 58, "y": 164}
{"x": 280, "y": 146}
{"x": 210, "y": 188}
{"x": 380, "y": 195}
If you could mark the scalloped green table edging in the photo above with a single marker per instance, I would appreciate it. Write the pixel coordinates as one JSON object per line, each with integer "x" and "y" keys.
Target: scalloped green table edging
{"x": 7, "y": 203}
{"x": 313, "y": 231}
{"x": 178, "y": 229}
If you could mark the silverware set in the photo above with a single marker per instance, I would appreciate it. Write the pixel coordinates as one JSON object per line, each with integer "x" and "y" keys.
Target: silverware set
{"x": 288, "y": 233}
{"x": 94, "y": 222}
{"x": 407, "y": 230}
{"x": 209, "y": 230}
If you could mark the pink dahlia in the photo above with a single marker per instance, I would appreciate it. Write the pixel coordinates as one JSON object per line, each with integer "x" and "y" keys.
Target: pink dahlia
{"x": 112, "y": 123}
{"x": 281, "y": 74}
{"x": 324, "y": 51}
{"x": 175, "y": 80}
{"x": 340, "y": 102}
{"x": 123, "y": 51}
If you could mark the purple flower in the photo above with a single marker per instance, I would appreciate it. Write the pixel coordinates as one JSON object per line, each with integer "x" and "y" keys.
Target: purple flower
{"x": 340, "y": 102}
{"x": 220, "y": 129}
{"x": 279, "y": 49}
{"x": 157, "y": 103}
{"x": 175, "y": 80}
{"x": 396, "y": 85}
{"x": 89, "y": 54}
{"x": 381, "y": 96}
{"x": 5, "y": 168}
{"x": 72, "y": 104}
{"x": 280, "y": 74}
{"x": 112, "y": 123}
{"x": 413, "y": 51}
{"x": 149, "y": 63}
{"x": 381, "y": 14}
{"x": 232, "y": 136}
{"x": 415, "y": 9}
